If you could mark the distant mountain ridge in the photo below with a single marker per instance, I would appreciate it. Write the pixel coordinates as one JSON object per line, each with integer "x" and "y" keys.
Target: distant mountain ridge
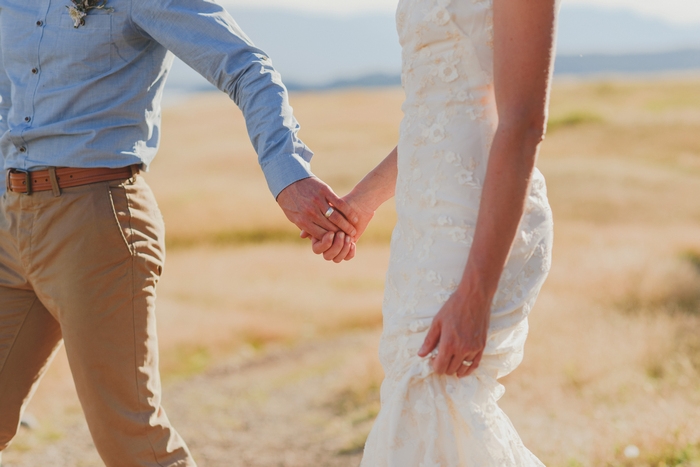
{"x": 589, "y": 64}
{"x": 586, "y": 30}
{"x": 322, "y": 52}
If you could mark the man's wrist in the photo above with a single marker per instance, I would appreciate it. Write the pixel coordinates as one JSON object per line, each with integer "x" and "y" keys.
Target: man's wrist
{"x": 285, "y": 171}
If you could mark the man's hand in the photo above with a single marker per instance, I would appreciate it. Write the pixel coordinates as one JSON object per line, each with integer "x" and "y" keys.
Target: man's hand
{"x": 306, "y": 202}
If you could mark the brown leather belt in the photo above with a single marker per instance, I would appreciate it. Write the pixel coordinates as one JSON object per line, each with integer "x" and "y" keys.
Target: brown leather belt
{"x": 19, "y": 181}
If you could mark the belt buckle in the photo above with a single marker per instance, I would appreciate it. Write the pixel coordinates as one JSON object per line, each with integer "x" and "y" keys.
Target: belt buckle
{"x": 27, "y": 178}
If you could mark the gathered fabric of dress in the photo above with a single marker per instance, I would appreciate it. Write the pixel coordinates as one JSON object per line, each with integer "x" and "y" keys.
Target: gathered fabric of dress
{"x": 449, "y": 124}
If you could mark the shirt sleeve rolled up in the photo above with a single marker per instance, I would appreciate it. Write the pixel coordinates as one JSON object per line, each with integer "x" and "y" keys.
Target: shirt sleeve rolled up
{"x": 206, "y": 37}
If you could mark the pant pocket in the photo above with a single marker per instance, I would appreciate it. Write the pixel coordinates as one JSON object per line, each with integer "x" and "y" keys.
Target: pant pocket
{"x": 119, "y": 202}
{"x": 140, "y": 222}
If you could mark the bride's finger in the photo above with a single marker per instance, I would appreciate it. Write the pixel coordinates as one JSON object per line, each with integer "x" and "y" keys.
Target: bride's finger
{"x": 442, "y": 362}
{"x": 462, "y": 372}
{"x": 467, "y": 363}
{"x": 476, "y": 364}
{"x": 336, "y": 247}
{"x": 468, "y": 370}
{"x": 321, "y": 246}
{"x": 431, "y": 340}
{"x": 444, "y": 357}
{"x": 353, "y": 251}
{"x": 345, "y": 251}
{"x": 455, "y": 365}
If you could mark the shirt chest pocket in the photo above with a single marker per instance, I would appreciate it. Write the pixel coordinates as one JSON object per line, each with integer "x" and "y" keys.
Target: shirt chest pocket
{"x": 88, "y": 48}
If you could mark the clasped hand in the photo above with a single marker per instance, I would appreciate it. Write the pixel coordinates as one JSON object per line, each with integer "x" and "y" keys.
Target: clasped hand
{"x": 306, "y": 204}
{"x": 340, "y": 246}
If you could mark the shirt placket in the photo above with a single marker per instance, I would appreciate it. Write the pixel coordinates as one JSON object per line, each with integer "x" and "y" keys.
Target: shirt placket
{"x": 33, "y": 83}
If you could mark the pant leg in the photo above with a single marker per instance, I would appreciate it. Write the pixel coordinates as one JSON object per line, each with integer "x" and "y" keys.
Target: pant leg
{"x": 29, "y": 338}
{"x": 97, "y": 254}
{"x": 29, "y": 335}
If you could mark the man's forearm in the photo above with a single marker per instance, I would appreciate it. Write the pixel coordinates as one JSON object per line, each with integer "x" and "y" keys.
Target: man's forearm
{"x": 3, "y": 115}
{"x": 4, "y": 109}
{"x": 272, "y": 128}
{"x": 206, "y": 37}
{"x": 5, "y": 101}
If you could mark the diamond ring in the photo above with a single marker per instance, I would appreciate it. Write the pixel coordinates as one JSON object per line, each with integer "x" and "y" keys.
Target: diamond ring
{"x": 329, "y": 212}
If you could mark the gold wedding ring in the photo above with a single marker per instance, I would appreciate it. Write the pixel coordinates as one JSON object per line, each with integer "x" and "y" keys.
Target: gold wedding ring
{"x": 329, "y": 212}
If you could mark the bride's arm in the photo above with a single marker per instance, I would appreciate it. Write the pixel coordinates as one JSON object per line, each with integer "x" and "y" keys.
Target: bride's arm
{"x": 371, "y": 192}
{"x": 524, "y": 37}
{"x": 376, "y": 188}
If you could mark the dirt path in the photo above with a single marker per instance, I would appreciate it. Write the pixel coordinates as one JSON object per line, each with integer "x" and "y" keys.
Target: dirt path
{"x": 280, "y": 409}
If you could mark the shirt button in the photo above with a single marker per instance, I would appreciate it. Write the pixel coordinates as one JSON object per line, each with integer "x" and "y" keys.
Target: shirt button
{"x": 27, "y": 119}
{"x": 22, "y": 149}
{"x": 39, "y": 23}
{"x": 35, "y": 70}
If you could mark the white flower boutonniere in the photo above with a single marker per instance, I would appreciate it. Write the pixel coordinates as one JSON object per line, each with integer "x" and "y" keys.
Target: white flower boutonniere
{"x": 80, "y": 8}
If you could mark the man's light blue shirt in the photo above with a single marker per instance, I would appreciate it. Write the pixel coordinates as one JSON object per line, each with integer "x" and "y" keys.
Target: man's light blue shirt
{"x": 91, "y": 96}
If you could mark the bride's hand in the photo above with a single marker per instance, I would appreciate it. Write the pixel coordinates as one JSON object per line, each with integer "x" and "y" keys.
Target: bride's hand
{"x": 459, "y": 332}
{"x": 364, "y": 213}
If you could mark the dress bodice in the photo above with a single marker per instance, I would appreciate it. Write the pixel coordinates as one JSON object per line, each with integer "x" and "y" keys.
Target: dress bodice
{"x": 447, "y": 55}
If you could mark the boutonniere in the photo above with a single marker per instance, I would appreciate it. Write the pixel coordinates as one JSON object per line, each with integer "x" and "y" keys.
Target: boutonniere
{"x": 80, "y": 8}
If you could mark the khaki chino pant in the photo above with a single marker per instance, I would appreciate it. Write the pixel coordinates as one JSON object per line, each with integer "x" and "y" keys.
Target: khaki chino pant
{"x": 82, "y": 267}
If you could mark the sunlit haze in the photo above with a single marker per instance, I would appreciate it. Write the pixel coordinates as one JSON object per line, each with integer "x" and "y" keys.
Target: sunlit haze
{"x": 682, "y": 11}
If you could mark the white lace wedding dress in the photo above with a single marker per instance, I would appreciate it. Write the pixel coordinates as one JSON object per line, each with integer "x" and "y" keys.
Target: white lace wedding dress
{"x": 450, "y": 119}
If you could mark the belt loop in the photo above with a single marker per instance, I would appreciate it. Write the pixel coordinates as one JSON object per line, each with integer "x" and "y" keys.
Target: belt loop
{"x": 54, "y": 182}
{"x": 135, "y": 169}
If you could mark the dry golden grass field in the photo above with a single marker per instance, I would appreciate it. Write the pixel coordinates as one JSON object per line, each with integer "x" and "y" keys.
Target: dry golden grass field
{"x": 269, "y": 353}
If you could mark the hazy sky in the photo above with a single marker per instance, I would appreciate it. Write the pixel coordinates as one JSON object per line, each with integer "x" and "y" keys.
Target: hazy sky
{"x": 684, "y": 11}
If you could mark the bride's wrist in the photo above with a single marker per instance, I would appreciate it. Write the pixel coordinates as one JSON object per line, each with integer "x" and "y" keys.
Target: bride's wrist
{"x": 363, "y": 199}
{"x": 474, "y": 291}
